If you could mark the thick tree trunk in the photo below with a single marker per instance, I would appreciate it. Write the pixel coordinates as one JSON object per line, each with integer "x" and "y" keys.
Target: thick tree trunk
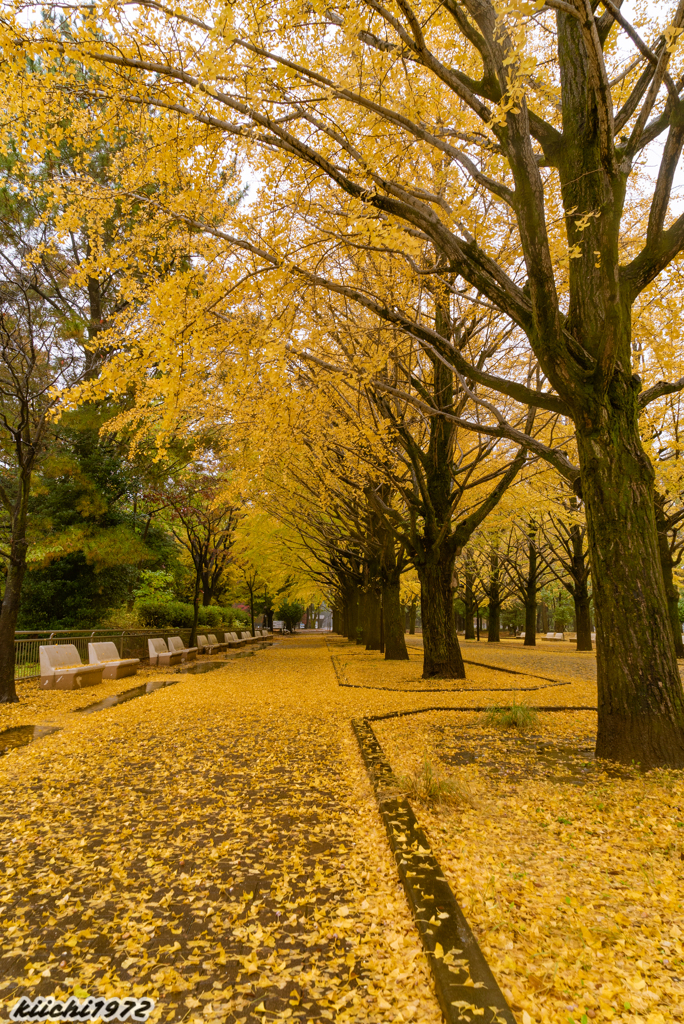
{"x": 362, "y": 620}
{"x": 671, "y": 591}
{"x": 531, "y": 598}
{"x": 393, "y": 623}
{"x": 494, "y": 614}
{"x": 352, "y": 612}
{"x": 582, "y": 616}
{"x": 372, "y": 616}
{"x": 640, "y": 698}
{"x": 251, "y": 612}
{"x": 196, "y": 608}
{"x": 8, "y": 621}
{"x": 412, "y": 618}
{"x": 441, "y": 651}
{"x": 580, "y": 590}
{"x": 469, "y": 606}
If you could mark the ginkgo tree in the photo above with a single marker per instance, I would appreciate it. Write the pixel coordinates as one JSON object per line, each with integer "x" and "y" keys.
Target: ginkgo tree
{"x": 507, "y": 138}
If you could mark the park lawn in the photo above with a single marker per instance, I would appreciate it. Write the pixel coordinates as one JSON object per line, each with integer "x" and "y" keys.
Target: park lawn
{"x": 572, "y": 878}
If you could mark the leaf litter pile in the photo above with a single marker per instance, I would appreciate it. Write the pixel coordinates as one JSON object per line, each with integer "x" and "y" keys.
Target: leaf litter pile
{"x": 217, "y": 847}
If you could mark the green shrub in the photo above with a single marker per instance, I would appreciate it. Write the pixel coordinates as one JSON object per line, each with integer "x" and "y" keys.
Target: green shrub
{"x": 290, "y": 612}
{"x": 164, "y": 614}
{"x": 518, "y": 716}
{"x": 154, "y": 613}
{"x": 159, "y": 613}
{"x": 210, "y": 615}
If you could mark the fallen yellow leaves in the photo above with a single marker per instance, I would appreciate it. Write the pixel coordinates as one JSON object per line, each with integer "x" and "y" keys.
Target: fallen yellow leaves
{"x": 215, "y": 846}
{"x": 571, "y": 878}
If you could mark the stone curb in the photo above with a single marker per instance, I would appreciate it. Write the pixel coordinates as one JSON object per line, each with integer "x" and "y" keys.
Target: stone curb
{"x": 461, "y": 689}
{"x": 462, "y": 976}
{"x": 479, "y": 707}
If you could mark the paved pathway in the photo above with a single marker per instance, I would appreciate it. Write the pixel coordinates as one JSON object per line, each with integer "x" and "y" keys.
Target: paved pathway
{"x": 216, "y": 846}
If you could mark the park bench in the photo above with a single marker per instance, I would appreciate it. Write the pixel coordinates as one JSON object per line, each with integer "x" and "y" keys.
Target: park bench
{"x": 114, "y": 666}
{"x": 216, "y": 644}
{"x": 232, "y": 640}
{"x": 177, "y": 645}
{"x": 160, "y": 654}
{"x": 61, "y": 668}
{"x": 554, "y": 636}
{"x": 209, "y": 644}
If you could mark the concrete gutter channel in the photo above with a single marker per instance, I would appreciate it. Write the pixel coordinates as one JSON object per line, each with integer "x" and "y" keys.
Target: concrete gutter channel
{"x": 463, "y": 978}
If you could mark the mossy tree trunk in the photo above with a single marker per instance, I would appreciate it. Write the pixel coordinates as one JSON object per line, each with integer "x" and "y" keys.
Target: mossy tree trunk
{"x": 641, "y": 704}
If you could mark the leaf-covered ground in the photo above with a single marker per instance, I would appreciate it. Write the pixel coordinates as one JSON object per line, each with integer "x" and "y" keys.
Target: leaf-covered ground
{"x": 572, "y": 875}
{"x": 216, "y": 845}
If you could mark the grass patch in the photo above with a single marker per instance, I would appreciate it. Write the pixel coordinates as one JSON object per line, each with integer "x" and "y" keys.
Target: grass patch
{"x": 428, "y": 787}
{"x": 517, "y": 716}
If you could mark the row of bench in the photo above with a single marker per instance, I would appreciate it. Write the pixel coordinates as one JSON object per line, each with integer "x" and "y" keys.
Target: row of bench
{"x": 560, "y": 636}
{"x": 61, "y": 667}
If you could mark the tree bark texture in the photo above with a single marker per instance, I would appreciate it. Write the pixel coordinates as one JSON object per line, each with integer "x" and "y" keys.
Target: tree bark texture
{"x": 580, "y": 591}
{"x": 640, "y": 699}
{"x": 469, "y": 606}
{"x": 9, "y": 612}
{"x": 671, "y": 591}
{"x": 196, "y": 608}
{"x": 442, "y": 657}
{"x": 393, "y": 623}
{"x": 362, "y": 620}
{"x": 531, "y": 597}
{"x": 583, "y": 618}
{"x": 372, "y": 616}
{"x": 494, "y": 614}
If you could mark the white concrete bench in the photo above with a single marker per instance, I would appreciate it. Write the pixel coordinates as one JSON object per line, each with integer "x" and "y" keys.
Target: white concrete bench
{"x": 61, "y": 668}
{"x": 177, "y": 645}
{"x": 160, "y": 654}
{"x": 209, "y": 644}
{"x": 203, "y": 645}
{"x": 232, "y": 640}
{"x": 554, "y": 636}
{"x": 216, "y": 644}
{"x": 114, "y": 667}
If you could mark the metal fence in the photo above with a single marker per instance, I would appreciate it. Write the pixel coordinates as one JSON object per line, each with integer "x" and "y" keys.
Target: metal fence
{"x": 130, "y": 643}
